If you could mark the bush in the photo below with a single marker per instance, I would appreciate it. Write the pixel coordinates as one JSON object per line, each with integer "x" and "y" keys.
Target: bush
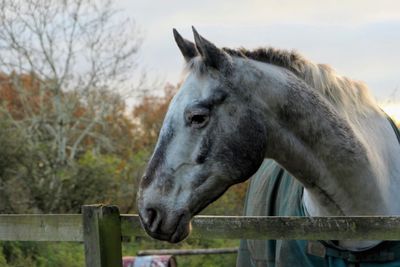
{"x": 41, "y": 254}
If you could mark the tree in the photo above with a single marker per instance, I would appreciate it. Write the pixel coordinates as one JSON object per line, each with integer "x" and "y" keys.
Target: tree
{"x": 66, "y": 67}
{"x": 79, "y": 47}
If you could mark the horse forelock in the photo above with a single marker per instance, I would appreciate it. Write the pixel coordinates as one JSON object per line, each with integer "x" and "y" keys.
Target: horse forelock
{"x": 342, "y": 92}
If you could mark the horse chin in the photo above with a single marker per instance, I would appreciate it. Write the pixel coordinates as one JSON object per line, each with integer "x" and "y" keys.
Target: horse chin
{"x": 182, "y": 231}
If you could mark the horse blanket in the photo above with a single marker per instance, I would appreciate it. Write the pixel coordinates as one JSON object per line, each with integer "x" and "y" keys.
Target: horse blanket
{"x": 274, "y": 192}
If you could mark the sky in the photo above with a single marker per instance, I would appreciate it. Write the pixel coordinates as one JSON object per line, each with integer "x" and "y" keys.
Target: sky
{"x": 358, "y": 38}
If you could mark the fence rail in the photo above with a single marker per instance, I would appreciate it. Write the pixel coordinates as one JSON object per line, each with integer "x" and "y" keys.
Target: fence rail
{"x": 99, "y": 223}
{"x": 187, "y": 252}
{"x": 43, "y": 227}
{"x": 69, "y": 227}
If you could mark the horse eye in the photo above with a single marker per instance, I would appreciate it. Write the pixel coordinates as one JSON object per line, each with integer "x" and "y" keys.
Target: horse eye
{"x": 197, "y": 118}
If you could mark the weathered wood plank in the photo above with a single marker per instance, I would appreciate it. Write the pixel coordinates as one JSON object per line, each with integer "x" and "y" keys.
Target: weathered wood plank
{"x": 68, "y": 227}
{"x": 187, "y": 252}
{"x": 43, "y": 227}
{"x": 306, "y": 228}
{"x": 102, "y": 236}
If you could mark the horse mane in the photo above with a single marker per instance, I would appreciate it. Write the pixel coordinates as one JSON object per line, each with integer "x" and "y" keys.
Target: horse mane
{"x": 341, "y": 91}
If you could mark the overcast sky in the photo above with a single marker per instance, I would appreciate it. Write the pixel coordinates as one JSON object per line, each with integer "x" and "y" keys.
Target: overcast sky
{"x": 359, "y": 38}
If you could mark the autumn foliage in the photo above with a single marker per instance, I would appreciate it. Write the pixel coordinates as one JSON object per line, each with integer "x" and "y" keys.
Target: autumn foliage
{"x": 18, "y": 90}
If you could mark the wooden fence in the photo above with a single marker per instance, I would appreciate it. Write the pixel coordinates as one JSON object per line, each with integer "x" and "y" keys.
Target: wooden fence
{"x": 102, "y": 228}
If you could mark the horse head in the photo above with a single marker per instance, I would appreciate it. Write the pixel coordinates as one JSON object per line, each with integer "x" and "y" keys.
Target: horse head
{"x": 212, "y": 137}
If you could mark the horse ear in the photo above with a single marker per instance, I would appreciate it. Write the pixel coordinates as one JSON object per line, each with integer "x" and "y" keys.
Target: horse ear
{"x": 188, "y": 49}
{"x": 212, "y": 55}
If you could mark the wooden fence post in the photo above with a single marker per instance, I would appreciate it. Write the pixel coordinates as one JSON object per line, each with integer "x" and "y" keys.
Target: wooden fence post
{"x": 102, "y": 236}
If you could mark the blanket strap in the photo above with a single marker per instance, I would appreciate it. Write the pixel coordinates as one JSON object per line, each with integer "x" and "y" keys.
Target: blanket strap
{"x": 385, "y": 251}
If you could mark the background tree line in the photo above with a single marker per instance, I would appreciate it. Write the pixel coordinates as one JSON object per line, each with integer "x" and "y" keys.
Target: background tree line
{"x": 67, "y": 134}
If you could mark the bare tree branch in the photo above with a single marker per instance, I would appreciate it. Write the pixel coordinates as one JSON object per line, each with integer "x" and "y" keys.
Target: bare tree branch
{"x": 66, "y": 60}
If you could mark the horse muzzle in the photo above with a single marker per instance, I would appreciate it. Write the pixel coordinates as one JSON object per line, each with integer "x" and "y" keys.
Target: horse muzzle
{"x": 164, "y": 224}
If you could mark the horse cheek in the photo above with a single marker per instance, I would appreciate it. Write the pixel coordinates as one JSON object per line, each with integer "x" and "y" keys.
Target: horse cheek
{"x": 253, "y": 147}
{"x": 244, "y": 150}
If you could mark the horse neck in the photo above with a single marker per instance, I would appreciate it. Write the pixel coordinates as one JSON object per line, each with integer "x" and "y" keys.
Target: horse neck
{"x": 346, "y": 161}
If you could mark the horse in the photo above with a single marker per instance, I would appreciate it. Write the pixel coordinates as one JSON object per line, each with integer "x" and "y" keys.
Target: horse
{"x": 313, "y": 140}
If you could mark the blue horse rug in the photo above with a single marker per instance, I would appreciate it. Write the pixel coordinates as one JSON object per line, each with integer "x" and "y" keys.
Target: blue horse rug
{"x": 273, "y": 192}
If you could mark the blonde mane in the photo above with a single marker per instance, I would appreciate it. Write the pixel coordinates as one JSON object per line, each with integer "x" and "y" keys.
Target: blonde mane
{"x": 341, "y": 91}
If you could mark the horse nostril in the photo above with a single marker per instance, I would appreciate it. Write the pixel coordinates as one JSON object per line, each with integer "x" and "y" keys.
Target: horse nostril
{"x": 151, "y": 215}
{"x": 153, "y": 219}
